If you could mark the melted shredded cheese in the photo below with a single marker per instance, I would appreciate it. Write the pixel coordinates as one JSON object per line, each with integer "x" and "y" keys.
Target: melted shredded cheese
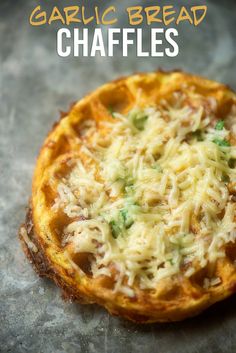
{"x": 153, "y": 201}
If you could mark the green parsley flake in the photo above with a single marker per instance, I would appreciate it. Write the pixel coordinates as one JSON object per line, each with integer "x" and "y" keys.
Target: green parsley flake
{"x": 138, "y": 119}
{"x": 220, "y": 125}
{"x": 221, "y": 142}
{"x": 115, "y": 229}
{"x": 111, "y": 111}
{"x": 126, "y": 218}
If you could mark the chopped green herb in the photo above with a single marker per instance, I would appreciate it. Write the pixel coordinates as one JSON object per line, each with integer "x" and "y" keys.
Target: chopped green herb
{"x": 139, "y": 123}
{"x": 124, "y": 221}
{"x": 115, "y": 229}
{"x": 138, "y": 119}
{"x": 221, "y": 142}
{"x": 126, "y": 218}
{"x": 111, "y": 111}
{"x": 220, "y": 125}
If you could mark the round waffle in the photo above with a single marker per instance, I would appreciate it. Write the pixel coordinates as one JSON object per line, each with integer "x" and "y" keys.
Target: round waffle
{"x": 133, "y": 198}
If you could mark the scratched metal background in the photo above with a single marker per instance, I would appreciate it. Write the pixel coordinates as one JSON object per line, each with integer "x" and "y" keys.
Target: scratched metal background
{"x": 34, "y": 85}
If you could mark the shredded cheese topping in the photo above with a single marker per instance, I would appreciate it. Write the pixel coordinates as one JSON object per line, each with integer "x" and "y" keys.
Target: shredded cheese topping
{"x": 154, "y": 198}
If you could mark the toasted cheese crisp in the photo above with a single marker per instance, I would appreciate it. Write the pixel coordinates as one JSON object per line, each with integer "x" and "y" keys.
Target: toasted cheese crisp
{"x": 133, "y": 201}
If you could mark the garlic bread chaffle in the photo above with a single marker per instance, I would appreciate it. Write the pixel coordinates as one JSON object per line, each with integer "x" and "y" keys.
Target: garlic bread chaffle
{"x": 133, "y": 198}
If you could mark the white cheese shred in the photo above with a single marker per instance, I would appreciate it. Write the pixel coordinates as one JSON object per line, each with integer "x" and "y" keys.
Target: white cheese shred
{"x": 155, "y": 197}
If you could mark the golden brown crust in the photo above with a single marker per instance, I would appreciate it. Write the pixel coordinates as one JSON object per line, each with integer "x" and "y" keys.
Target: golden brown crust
{"x": 174, "y": 300}
{"x": 40, "y": 262}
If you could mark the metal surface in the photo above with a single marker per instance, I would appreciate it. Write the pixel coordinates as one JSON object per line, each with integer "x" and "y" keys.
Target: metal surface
{"x": 34, "y": 85}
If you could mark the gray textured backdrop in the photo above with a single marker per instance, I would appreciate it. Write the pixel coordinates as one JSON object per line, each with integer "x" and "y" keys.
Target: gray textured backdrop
{"x": 34, "y": 85}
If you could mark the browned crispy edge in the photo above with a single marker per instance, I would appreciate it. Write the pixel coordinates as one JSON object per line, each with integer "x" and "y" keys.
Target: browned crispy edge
{"x": 40, "y": 262}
